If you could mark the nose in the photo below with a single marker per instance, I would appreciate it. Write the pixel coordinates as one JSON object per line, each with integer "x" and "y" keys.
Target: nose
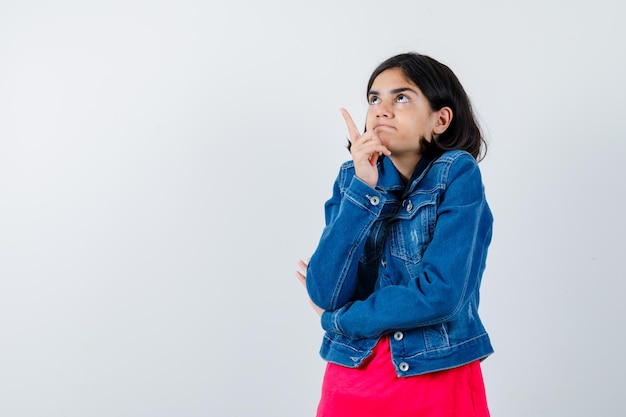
{"x": 383, "y": 110}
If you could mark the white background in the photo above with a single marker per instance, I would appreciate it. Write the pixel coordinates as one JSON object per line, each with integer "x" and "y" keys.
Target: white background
{"x": 163, "y": 165}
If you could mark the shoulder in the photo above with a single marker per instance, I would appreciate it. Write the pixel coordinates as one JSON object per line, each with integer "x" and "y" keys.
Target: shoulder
{"x": 454, "y": 166}
{"x": 456, "y": 156}
{"x": 346, "y": 173}
{"x": 348, "y": 165}
{"x": 457, "y": 160}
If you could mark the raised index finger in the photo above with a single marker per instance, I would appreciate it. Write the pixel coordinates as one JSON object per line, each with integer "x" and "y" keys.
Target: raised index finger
{"x": 353, "y": 131}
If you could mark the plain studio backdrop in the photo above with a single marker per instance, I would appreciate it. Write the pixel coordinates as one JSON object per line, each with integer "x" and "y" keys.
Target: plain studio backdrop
{"x": 164, "y": 164}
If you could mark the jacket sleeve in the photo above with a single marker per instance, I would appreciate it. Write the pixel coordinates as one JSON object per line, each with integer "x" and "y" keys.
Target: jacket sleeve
{"x": 332, "y": 277}
{"x": 449, "y": 273}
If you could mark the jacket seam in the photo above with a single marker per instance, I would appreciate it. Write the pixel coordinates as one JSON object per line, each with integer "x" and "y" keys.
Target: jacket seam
{"x": 445, "y": 348}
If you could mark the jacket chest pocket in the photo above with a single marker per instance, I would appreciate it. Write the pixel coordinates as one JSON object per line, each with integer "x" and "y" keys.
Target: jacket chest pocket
{"x": 411, "y": 234}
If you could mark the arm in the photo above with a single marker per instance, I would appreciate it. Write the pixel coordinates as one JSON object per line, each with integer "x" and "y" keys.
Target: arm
{"x": 332, "y": 272}
{"x": 331, "y": 276}
{"x": 450, "y": 270}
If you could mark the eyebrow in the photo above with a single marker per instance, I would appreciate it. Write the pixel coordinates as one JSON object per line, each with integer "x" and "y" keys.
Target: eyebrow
{"x": 394, "y": 91}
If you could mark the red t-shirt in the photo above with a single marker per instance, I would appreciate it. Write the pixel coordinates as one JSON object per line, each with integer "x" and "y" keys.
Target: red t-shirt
{"x": 375, "y": 390}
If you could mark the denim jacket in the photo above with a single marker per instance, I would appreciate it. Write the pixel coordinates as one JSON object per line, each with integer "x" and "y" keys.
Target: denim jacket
{"x": 404, "y": 260}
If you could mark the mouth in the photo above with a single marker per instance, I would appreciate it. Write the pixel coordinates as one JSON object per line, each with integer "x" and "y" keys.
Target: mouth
{"x": 383, "y": 127}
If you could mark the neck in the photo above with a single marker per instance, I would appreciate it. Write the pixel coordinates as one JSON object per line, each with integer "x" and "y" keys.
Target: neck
{"x": 405, "y": 164}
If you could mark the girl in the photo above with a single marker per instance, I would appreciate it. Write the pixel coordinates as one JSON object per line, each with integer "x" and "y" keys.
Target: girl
{"x": 396, "y": 275}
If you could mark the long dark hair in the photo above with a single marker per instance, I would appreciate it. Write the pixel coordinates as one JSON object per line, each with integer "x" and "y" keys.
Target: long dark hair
{"x": 442, "y": 89}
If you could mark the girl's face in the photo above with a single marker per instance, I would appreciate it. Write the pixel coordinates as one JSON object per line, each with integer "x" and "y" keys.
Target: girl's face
{"x": 399, "y": 113}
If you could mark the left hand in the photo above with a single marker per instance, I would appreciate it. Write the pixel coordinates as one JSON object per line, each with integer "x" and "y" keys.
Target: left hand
{"x": 301, "y": 275}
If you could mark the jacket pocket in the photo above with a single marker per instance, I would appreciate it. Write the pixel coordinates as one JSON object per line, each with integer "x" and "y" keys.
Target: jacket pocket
{"x": 436, "y": 337}
{"x": 410, "y": 236}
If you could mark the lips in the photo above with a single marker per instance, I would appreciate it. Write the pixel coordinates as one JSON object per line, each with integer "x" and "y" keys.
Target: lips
{"x": 383, "y": 127}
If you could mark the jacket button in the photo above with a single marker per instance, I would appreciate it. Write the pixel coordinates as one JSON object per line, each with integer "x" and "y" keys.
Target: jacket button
{"x": 374, "y": 200}
{"x": 409, "y": 207}
{"x": 398, "y": 336}
{"x": 383, "y": 263}
{"x": 404, "y": 366}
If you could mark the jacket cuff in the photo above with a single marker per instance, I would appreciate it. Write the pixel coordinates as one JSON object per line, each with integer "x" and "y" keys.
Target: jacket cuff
{"x": 361, "y": 194}
{"x": 329, "y": 321}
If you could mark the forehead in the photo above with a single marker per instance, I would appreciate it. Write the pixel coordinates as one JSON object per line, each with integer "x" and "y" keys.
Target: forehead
{"x": 391, "y": 78}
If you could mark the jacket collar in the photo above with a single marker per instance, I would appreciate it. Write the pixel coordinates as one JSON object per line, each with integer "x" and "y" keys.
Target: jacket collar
{"x": 390, "y": 179}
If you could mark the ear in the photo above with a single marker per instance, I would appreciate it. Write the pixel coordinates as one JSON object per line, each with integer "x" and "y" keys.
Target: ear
{"x": 443, "y": 118}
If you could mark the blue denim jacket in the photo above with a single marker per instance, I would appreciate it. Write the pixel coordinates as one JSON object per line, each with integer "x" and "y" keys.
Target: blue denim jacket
{"x": 404, "y": 260}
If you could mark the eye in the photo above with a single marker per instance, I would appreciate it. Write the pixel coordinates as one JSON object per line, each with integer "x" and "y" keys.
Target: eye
{"x": 402, "y": 99}
{"x": 374, "y": 100}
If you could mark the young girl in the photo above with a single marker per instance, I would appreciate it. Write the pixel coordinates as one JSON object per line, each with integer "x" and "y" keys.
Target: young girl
{"x": 396, "y": 275}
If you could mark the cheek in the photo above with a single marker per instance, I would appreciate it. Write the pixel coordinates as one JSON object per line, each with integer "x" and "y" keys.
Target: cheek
{"x": 420, "y": 123}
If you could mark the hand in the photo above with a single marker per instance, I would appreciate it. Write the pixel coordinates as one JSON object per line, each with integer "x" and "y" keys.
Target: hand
{"x": 301, "y": 275}
{"x": 365, "y": 149}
